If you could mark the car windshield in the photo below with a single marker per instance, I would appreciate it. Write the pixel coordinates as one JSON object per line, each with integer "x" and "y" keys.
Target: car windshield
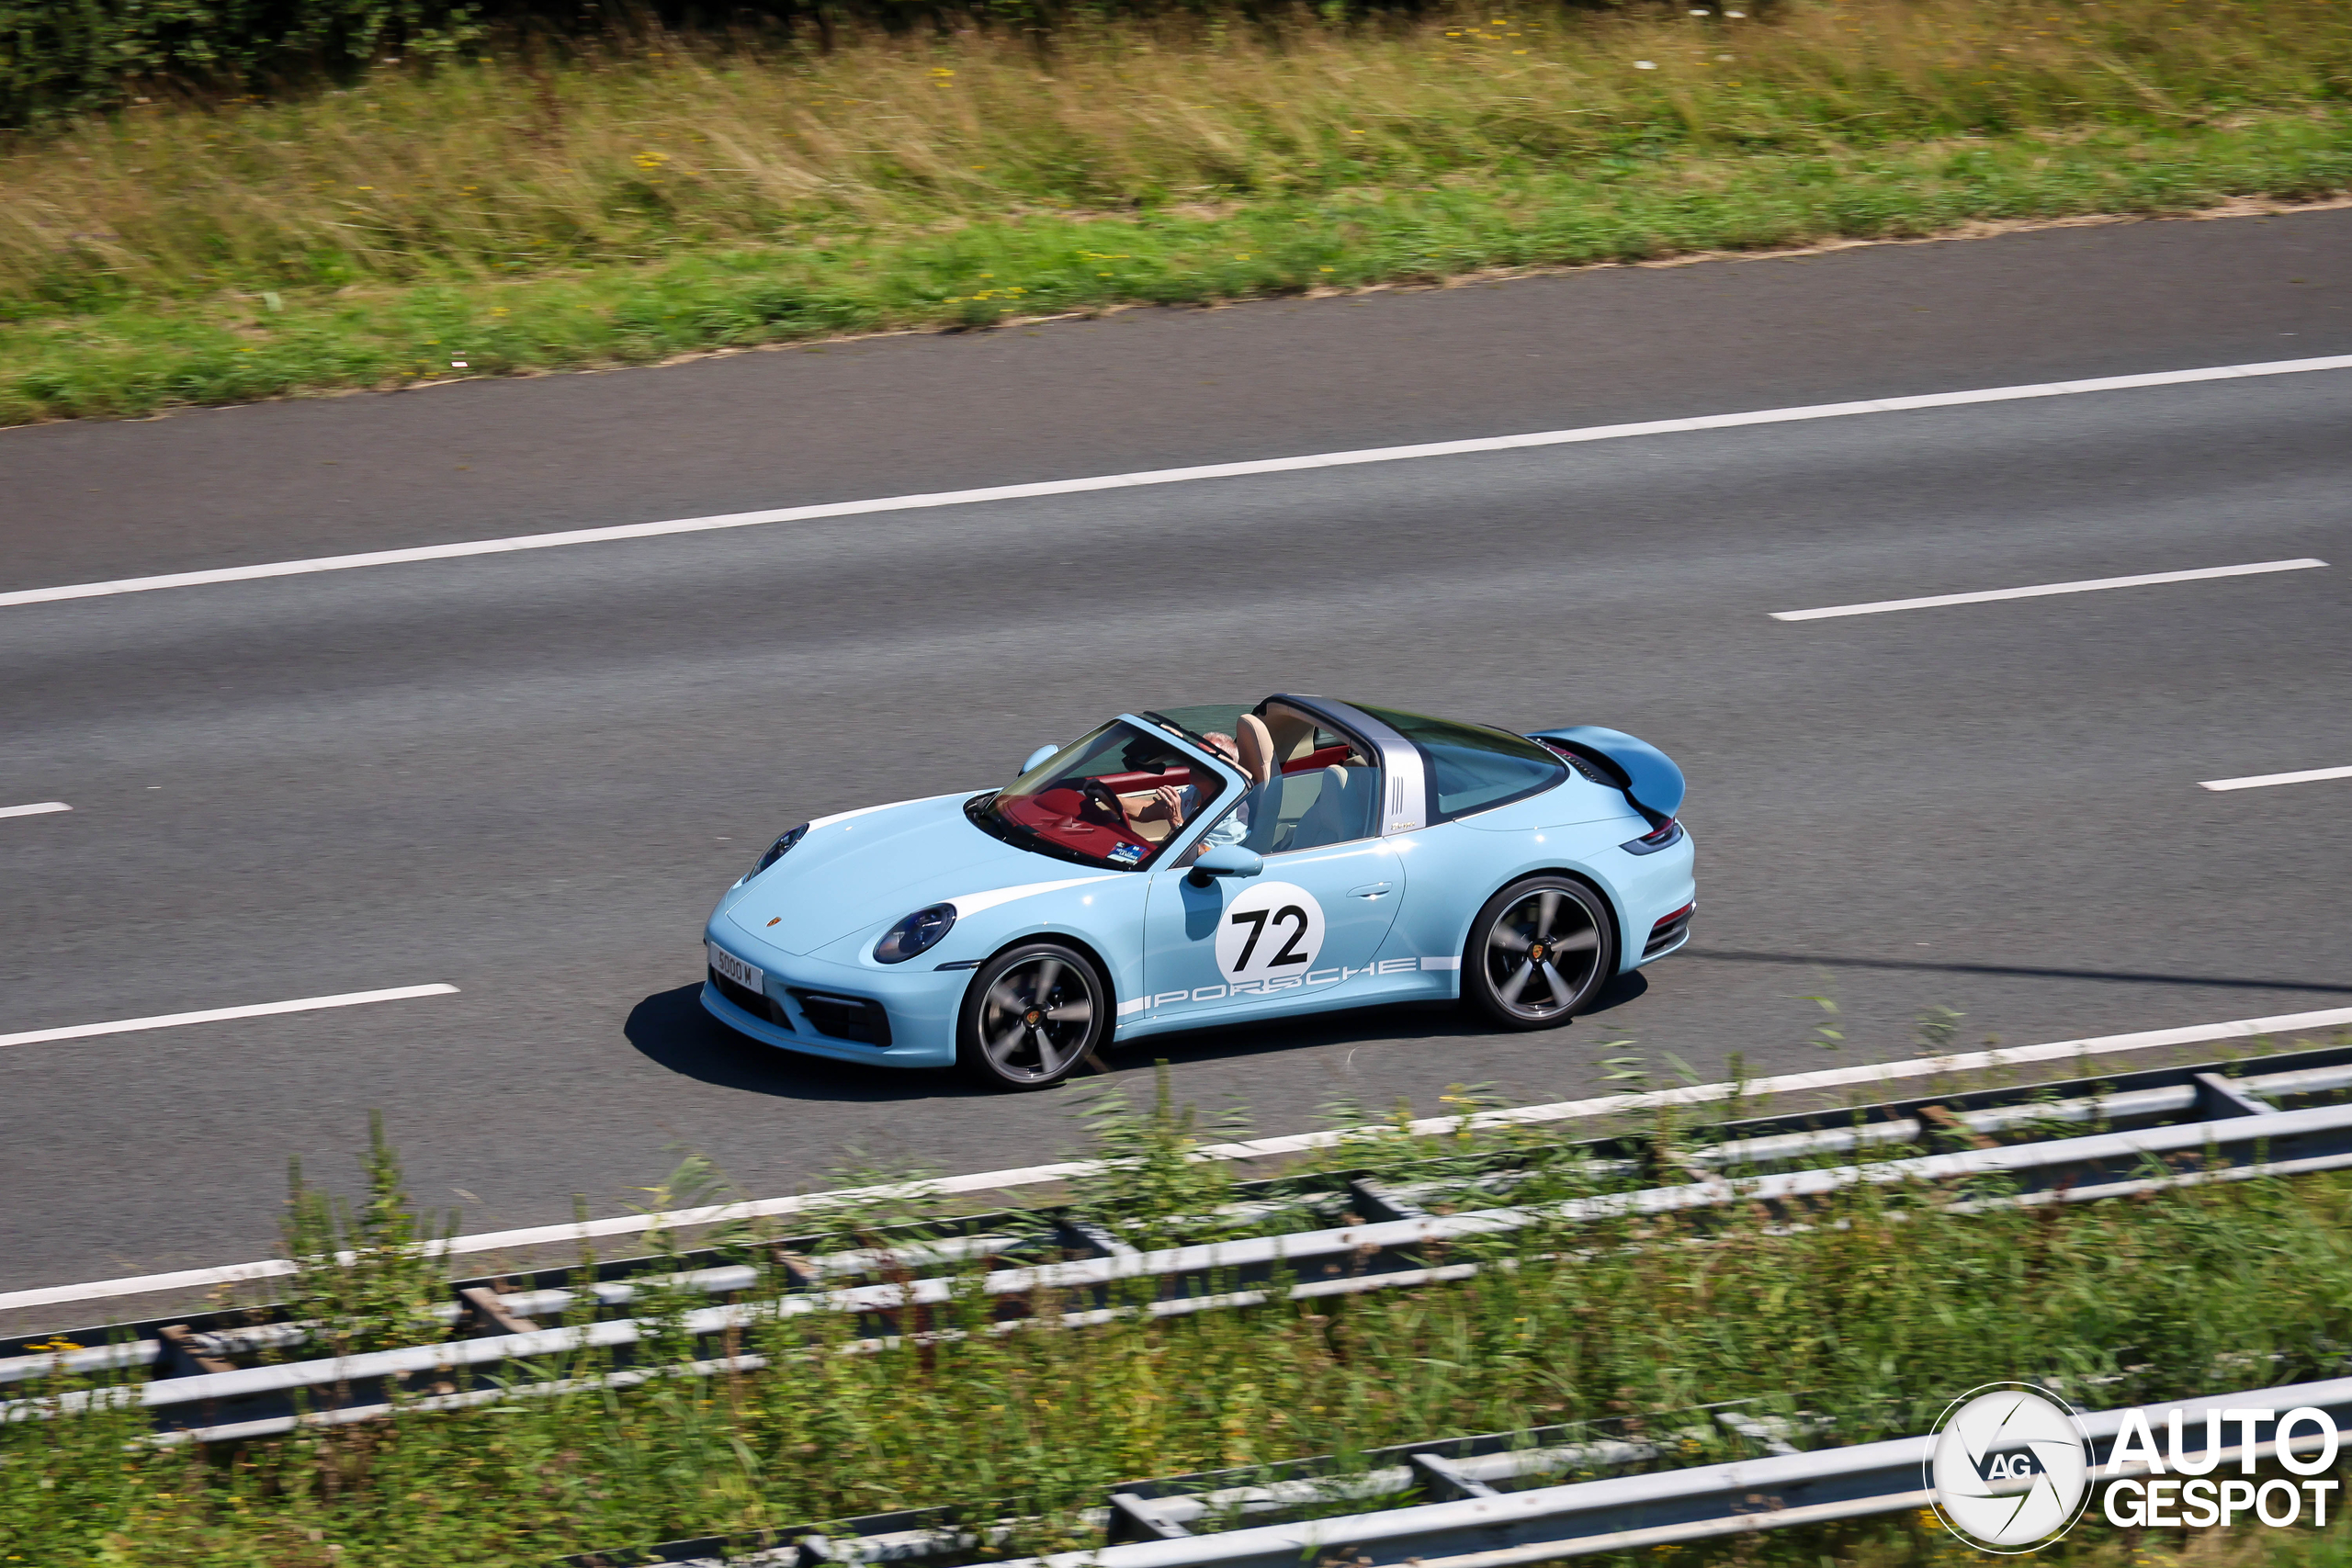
{"x": 1110, "y": 800}
{"x": 1471, "y": 766}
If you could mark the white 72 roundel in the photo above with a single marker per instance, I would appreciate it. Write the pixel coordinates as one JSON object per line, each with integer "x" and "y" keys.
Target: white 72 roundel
{"x": 1272, "y": 930}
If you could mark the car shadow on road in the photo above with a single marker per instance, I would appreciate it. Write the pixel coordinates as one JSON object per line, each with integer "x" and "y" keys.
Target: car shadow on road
{"x": 1404, "y": 1022}
{"x": 672, "y": 1029}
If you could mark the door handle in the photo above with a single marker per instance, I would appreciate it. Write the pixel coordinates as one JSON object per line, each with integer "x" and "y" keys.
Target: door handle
{"x": 1369, "y": 890}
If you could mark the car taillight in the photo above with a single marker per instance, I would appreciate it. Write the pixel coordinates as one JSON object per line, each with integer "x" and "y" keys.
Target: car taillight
{"x": 1658, "y": 838}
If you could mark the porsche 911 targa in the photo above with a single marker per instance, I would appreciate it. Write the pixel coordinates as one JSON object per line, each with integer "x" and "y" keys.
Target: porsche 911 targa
{"x": 1208, "y": 865}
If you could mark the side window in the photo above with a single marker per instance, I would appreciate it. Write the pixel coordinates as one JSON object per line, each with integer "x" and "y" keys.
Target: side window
{"x": 1327, "y": 793}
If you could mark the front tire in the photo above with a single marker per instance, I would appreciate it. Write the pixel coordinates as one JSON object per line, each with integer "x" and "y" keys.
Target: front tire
{"x": 1539, "y": 952}
{"x": 1033, "y": 1014}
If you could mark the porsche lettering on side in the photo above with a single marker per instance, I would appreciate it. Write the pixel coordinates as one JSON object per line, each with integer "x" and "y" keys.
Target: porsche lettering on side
{"x": 1204, "y": 865}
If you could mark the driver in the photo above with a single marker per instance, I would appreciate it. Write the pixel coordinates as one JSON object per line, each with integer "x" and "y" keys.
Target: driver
{"x": 1252, "y": 752}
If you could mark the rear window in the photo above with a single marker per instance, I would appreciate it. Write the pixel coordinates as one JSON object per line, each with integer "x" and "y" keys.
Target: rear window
{"x": 1472, "y": 767}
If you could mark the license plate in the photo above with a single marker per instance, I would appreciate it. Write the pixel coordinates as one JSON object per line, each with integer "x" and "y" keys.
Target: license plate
{"x": 751, "y": 976}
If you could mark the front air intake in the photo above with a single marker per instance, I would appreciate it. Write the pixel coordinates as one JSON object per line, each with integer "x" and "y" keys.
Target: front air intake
{"x": 752, "y": 1001}
{"x": 846, "y": 1017}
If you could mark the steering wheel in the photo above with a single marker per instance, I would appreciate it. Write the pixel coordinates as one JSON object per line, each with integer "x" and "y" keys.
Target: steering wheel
{"x": 1101, "y": 804}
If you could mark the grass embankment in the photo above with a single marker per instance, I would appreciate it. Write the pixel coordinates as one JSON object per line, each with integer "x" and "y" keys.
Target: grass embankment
{"x": 646, "y": 200}
{"x": 1876, "y": 1314}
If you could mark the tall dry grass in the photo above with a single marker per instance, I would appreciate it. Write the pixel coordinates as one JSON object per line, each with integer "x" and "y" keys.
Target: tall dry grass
{"x": 508, "y": 168}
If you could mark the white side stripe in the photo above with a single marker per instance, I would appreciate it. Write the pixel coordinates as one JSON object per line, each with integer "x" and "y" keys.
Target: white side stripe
{"x": 1037, "y": 1175}
{"x": 1164, "y": 476}
{"x": 970, "y": 903}
{"x": 2088, "y": 585}
{"x": 216, "y": 1015}
{"x": 2310, "y": 775}
{"x": 37, "y": 808}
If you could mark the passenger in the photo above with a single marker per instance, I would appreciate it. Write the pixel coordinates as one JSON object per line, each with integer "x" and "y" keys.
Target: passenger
{"x": 1252, "y": 753}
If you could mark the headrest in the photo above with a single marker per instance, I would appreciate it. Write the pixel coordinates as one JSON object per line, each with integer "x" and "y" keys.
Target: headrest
{"x": 1256, "y": 743}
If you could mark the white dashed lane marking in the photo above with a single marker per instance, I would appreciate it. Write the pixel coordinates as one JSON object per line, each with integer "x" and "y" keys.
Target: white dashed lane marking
{"x": 2309, "y": 775}
{"x": 2088, "y": 585}
{"x": 218, "y": 1015}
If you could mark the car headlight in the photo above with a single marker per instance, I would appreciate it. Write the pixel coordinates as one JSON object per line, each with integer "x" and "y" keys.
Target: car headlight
{"x": 785, "y": 840}
{"x": 917, "y": 932}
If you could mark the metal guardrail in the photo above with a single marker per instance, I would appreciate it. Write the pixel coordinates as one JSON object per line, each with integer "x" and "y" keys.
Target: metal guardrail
{"x": 2235, "y": 1132}
{"x": 2122, "y": 1101}
{"x": 1629, "y": 1513}
{"x": 1495, "y": 1502}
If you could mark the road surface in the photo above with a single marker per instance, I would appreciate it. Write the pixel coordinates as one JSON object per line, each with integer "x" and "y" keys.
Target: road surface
{"x": 529, "y": 775}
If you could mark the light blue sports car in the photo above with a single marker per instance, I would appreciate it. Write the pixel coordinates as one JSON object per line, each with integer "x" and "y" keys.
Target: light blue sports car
{"x": 1206, "y": 865}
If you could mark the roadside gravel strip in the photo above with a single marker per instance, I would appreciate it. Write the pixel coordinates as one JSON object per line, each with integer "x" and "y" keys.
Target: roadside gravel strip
{"x": 1259, "y": 1148}
{"x": 1189, "y": 475}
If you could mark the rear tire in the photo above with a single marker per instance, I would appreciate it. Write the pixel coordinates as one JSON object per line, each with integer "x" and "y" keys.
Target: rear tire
{"x": 1539, "y": 952}
{"x": 1034, "y": 1012}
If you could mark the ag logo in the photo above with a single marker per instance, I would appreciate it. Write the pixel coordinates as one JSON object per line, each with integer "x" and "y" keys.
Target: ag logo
{"x": 2009, "y": 1468}
{"x": 1272, "y": 930}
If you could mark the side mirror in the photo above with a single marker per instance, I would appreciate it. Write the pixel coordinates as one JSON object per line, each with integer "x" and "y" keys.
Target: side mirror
{"x": 1039, "y": 755}
{"x": 1226, "y": 859}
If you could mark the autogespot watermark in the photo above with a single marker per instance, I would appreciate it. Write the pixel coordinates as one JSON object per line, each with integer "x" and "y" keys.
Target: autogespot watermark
{"x": 2009, "y": 1468}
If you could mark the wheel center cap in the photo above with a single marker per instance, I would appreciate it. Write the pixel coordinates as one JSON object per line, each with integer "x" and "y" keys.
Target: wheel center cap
{"x": 1033, "y": 1017}
{"x": 1536, "y": 952}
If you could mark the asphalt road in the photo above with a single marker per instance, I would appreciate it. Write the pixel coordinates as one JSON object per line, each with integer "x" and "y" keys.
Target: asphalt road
{"x": 531, "y": 774}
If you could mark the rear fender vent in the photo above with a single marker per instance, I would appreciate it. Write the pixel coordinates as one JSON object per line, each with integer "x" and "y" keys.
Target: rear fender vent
{"x": 1669, "y": 932}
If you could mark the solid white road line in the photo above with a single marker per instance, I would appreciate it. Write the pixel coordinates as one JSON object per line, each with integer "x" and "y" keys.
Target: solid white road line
{"x": 1258, "y": 1148}
{"x": 216, "y": 1015}
{"x": 1166, "y": 476}
{"x": 37, "y": 808}
{"x": 2309, "y": 775}
{"x": 2088, "y": 585}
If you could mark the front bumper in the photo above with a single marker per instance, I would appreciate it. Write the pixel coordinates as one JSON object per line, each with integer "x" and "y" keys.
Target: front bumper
{"x": 921, "y": 1003}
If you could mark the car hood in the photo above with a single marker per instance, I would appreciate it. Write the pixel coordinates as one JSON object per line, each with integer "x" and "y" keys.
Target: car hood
{"x": 863, "y": 868}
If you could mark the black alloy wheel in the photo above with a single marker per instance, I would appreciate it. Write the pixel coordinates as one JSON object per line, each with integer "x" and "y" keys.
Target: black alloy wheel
{"x": 1539, "y": 952}
{"x": 1033, "y": 1014}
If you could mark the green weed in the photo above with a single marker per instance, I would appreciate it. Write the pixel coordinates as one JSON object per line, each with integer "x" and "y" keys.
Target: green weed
{"x": 1874, "y": 1310}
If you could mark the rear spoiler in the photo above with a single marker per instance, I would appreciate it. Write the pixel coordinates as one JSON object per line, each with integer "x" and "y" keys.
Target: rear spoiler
{"x": 1646, "y": 774}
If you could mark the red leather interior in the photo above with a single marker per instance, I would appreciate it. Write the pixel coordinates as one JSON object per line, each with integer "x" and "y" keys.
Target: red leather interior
{"x": 1056, "y": 814}
{"x": 1314, "y": 760}
{"x": 1178, "y": 777}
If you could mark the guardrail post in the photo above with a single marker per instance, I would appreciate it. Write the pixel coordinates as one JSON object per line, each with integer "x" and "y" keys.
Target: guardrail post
{"x": 2217, "y": 1098}
{"x": 1376, "y": 1202}
{"x": 1133, "y": 1518}
{"x": 1443, "y": 1482}
{"x": 485, "y": 1314}
{"x": 185, "y": 1352}
{"x": 1097, "y": 1241}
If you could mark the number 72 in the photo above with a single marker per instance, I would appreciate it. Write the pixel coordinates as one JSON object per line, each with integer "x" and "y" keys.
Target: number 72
{"x": 1256, "y": 919}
